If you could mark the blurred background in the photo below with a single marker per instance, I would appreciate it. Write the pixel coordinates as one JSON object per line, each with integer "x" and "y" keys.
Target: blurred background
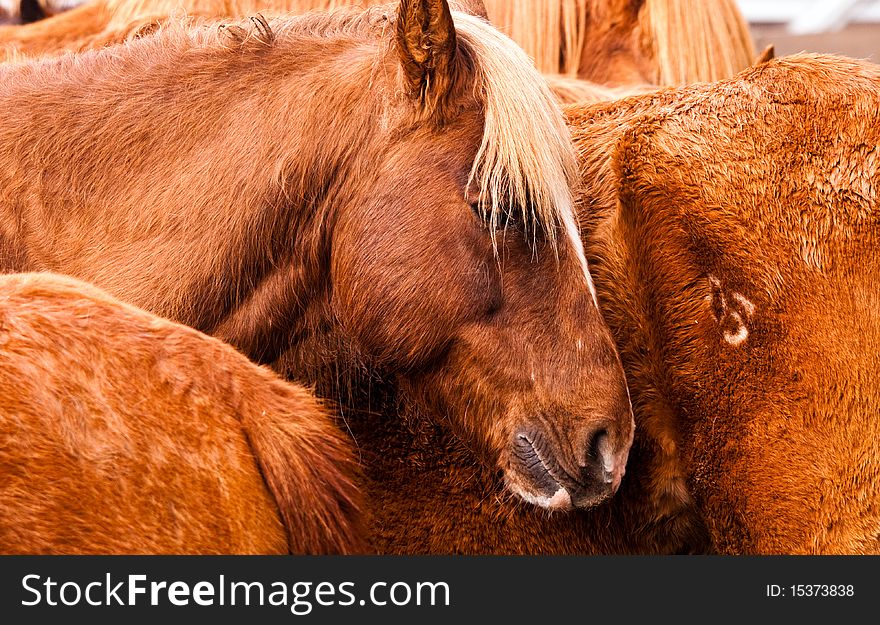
{"x": 850, "y": 27}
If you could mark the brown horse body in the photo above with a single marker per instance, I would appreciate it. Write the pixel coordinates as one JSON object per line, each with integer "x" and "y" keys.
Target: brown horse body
{"x": 618, "y": 42}
{"x": 732, "y": 230}
{"x": 357, "y": 213}
{"x": 124, "y": 433}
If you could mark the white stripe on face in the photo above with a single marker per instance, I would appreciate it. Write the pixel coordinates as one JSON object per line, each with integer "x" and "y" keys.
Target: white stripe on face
{"x": 574, "y": 236}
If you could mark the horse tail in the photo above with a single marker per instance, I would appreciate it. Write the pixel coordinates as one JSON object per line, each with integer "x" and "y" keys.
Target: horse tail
{"x": 697, "y": 40}
{"x": 308, "y": 467}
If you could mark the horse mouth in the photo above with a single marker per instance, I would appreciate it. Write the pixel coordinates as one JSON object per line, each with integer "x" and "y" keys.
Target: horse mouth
{"x": 539, "y": 479}
{"x": 542, "y": 488}
{"x": 560, "y": 500}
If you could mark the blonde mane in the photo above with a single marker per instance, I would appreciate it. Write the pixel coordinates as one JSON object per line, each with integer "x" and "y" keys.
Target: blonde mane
{"x": 525, "y": 159}
{"x": 552, "y": 32}
{"x": 697, "y": 41}
{"x": 690, "y": 40}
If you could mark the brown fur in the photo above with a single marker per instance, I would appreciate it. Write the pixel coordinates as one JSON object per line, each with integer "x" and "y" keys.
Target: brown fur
{"x": 318, "y": 195}
{"x": 121, "y": 432}
{"x": 619, "y": 42}
{"x": 430, "y": 494}
{"x": 575, "y": 90}
{"x": 733, "y": 230}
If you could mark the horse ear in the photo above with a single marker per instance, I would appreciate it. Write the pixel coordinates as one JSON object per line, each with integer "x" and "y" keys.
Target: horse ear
{"x": 766, "y": 56}
{"x": 426, "y": 44}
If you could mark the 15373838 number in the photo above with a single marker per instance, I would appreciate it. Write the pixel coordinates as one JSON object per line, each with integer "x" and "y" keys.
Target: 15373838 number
{"x": 822, "y": 590}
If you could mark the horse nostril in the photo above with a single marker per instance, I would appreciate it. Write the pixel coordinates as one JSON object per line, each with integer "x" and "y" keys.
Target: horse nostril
{"x": 597, "y": 477}
{"x": 600, "y": 456}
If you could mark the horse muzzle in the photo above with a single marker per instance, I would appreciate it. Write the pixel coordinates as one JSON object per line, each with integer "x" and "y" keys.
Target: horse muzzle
{"x": 540, "y": 476}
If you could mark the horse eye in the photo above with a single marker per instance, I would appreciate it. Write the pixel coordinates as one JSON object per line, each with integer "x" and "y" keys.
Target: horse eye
{"x": 480, "y": 212}
{"x": 505, "y": 219}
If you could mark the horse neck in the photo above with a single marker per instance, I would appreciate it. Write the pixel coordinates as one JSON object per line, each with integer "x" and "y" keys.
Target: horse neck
{"x": 267, "y": 135}
{"x": 324, "y": 158}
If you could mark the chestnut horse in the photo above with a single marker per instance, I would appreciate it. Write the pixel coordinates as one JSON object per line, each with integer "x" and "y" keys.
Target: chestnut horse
{"x": 618, "y": 42}
{"x": 733, "y": 232}
{"x": 121, "y": 432}
{"x": 332, "y": 197}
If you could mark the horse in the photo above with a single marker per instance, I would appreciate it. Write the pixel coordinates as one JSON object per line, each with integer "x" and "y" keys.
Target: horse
{"x": 732, "y": 231}
{"x": 749, "y": 465}
{"x": 615, "y": 42}
{"x": 121, "y": 432}
{"x": 627, "y": 42}
{"x": 368, "y": 198}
